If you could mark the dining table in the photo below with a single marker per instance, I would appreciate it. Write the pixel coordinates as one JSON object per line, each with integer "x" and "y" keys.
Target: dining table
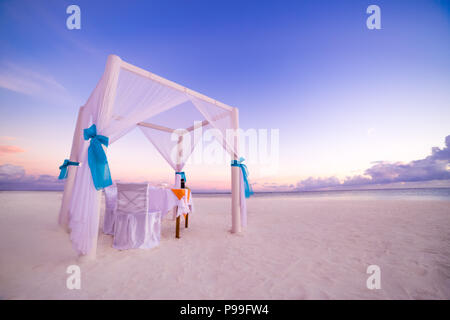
{"x": 176, "y": 201}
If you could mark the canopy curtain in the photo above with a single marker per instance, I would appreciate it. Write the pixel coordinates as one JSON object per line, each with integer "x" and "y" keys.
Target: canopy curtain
{"x": 121, "y": 100}
{"x": 83, "y": 220}
{"x": 223, "y": 120}
{"x": 174, "y": 133}
{"x": 220, "y": 119}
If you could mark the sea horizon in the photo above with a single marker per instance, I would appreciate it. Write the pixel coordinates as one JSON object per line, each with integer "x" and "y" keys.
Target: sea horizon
{"x": 433, "y": 193}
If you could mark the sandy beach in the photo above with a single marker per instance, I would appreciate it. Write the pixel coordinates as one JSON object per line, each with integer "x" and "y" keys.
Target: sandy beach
{"x": 294, "y": 248}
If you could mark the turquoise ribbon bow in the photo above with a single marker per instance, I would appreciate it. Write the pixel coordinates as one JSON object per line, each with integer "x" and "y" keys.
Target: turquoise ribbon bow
{"x": 245, "y": 174}
{"x": 63, "y": 168}
{"x": 182, "y": 174}
{"x": 97, "y": 158}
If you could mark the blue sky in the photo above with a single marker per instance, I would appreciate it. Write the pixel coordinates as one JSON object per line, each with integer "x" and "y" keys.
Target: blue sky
{"x": 341, "y": 95}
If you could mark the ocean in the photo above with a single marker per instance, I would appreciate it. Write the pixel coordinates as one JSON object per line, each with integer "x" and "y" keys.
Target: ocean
{"x": 372, "y": 194}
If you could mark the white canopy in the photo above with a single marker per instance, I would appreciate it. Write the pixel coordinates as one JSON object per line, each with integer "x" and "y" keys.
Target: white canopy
{"x": 127, "y": 97}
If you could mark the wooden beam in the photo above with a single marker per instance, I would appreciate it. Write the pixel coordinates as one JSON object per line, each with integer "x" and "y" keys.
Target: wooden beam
{"x": 204, "y": 123}
{"x": 155, "y": 126}
{"x": 144, "y": 73}
{"x": 170, "y": 130}
{"x": 148, "y": 125}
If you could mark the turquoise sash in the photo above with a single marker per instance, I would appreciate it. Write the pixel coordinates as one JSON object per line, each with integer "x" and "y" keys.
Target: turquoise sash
{"x": 63, "y": 168}
{"x": 182, "y": 174}
{"x": 98, "y": 163}
{"x": 245, "y": 174}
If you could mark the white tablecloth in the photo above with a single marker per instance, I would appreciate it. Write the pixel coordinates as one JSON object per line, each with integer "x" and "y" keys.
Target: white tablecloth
{"x": 160, "y": 199}
{"x": 164, "y": 199}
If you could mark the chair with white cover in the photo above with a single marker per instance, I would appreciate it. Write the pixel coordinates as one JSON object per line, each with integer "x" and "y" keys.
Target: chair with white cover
{"x": 134, "y": 225}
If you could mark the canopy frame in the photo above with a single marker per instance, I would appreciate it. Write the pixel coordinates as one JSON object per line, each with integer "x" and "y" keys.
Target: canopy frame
{"x": 111, "y": 84}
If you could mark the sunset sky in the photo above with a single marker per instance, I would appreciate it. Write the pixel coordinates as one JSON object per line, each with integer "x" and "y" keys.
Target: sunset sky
{"x": 354, "y": 107}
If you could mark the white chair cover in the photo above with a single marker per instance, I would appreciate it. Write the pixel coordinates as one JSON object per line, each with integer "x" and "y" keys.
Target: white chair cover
{"x": 134, "y": 225}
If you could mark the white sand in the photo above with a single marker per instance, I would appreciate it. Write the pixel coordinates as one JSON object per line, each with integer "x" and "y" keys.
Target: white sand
{"x": 294, "y": 249}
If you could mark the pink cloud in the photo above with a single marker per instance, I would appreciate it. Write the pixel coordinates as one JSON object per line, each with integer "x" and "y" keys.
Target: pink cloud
{"x": 10, "y": 149}
{"x": 6, "y": 138}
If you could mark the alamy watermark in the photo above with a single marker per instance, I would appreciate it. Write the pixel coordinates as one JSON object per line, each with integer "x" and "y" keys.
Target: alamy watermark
{"x": 74, "y": 20}
{"x": 212, "y": 146}
{"x": 374, "y": 280}
{"x": 74, "y": 279}
{"x": 374, "y": 20}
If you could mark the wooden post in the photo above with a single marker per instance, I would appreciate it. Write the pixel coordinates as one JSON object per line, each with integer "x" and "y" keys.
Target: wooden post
{"x": 177, "y": 228}
{"x": 235, "y": 179}
{"x": 63, "y": 218}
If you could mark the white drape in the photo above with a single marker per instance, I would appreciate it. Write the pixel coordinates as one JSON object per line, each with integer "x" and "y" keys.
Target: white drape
{"x": 123, "y": 99}
{"x": 84, "y": 208}
{"x": 219, "y": 119}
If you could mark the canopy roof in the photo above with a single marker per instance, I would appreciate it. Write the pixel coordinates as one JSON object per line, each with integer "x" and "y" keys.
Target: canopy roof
{"x": 163, "y": 110}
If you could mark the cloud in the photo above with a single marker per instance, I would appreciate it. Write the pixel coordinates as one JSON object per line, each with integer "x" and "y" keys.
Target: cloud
{"x": 6, "y": 138}
{"x": 433, "y": 167}
{"x": 30, "y": 82}
{"x": 14, "y": 177}
{"x": 9, "y": 172}
{"x": 271, "y": 187}
{"x": 317, "y": 183}
{"x": 10, "y": 149}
